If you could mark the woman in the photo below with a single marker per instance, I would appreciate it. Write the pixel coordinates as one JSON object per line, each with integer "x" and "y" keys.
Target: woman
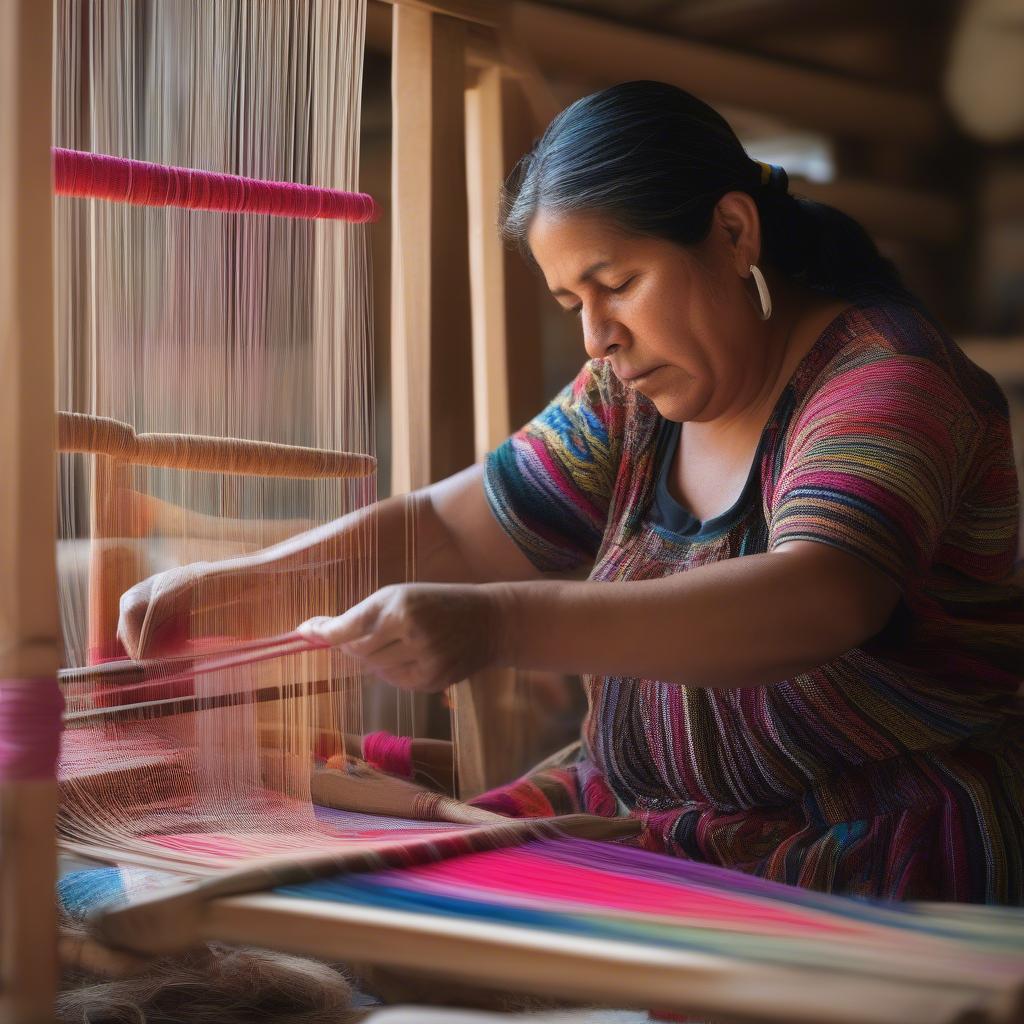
{"x": 796, "y": 503}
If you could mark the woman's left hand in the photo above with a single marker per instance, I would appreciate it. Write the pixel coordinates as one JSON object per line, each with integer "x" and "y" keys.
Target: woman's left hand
{"x": 420, "y": 636}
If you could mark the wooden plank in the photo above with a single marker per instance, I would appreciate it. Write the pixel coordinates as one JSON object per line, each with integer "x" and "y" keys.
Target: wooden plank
{"x": 484, "y": 167}
{"x": 596, "y": 53}
{"x": 506, "y": 373}
{"x": 524, "y": 291}
{"x": 890, "y": 211}
{"x": 1002, "y": 357}
{"x": 431, "y": 370}
{"x": 28, "y": 603}
{"x": 485, "y": 172}
{"x": 431, "y": 340}
{"x": 477, "y": 12}
{"x": 593, "y": 971}
{"x": 115, "y": 564}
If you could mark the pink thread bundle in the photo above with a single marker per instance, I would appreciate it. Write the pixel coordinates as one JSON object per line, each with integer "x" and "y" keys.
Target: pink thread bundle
{"x": 388, "y": 753}
{"x": 97, "y": 176}
{"x": 30, "y": 727}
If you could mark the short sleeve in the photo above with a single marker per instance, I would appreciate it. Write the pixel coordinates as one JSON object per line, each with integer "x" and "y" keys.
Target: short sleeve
{"x": 875, "y": 462}
{"x": 550, "y": 484}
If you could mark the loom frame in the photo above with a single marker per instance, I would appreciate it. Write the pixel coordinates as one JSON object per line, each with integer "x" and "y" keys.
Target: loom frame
{"x": 446, "y": 53}
{"x": 591, "y": 970}
{"x": 29, "y": 644}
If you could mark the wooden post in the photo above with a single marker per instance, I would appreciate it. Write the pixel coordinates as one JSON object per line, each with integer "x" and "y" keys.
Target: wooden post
{"x": 431, "y": 368}
{"x": 114, "y": 564}
{"x": 28, "y": 603}
{"x": 431, "y": 355}
{"x": 485, "y": 172}
{"x": 506, "y": 374}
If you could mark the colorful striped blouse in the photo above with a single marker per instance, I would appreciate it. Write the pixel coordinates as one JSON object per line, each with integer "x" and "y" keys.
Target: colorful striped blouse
{"x": 895, "y": 770}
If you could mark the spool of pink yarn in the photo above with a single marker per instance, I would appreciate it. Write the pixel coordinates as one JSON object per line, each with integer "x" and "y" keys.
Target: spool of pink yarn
{"x": 97, "y": 176}
{"x": 389, "y": 753}
{"x": 30, "y": 726}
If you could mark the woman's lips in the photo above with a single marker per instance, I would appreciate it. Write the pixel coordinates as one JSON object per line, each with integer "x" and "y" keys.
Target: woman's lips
{"x": 640, "y": 378}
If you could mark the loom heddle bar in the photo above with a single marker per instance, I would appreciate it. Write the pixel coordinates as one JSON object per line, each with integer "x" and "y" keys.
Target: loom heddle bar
{"x": 101, "y": 435}
{"x": 137, "y": 182}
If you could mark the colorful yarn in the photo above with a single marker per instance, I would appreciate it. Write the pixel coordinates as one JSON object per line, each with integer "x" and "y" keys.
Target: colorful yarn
{"x": 603, "y": 890}
{"x": 30, "y": 724}
{"x": 894, "y": 770}
{"x": 388, "y": 753}
{"x": 97, "y": 176}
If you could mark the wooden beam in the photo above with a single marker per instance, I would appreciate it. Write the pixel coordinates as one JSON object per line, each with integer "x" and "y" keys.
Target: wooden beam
{"x": 891, "y": 212}
{"x": 506, "y": 376}
{"x": 29, "y": 646}
{"x": 1002, "y": 357}
{"x": 597, "y": 53}
{"x": 523, "y": 294}
{"x": 592, "y": 52}
{"x": 476, "y": 12}
{"x": 431, "y": 370}
{"x": 485, "y": 172}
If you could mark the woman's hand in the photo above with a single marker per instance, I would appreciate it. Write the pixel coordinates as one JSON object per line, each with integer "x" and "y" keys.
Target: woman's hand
{"x": 421, "y": 636}
{"x": 154, "y": 614}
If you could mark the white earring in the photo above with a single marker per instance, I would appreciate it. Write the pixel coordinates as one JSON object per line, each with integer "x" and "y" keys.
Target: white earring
{"x": 762, "y": 291}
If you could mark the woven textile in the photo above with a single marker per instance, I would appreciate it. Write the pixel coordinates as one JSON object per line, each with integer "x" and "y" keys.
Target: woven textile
{"x": 896, "y": 770}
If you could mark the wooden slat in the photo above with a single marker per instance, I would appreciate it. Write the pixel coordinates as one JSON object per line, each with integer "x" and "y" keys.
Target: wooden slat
{"x": 593, "y": 52}
{"x": 28, "y": 602}
{"x": 524, "y": 292}
{"x": 484, "y": 174}
{"x": 593, "y": 971}
{"x": 431, "y": 344}
{"x": 1002, "y": 357}
{"x": 115, "y": 564}
{"x": 598, "y": 53}
{"x": 431, "y": 394}
{"x": 506, "y": 372}
{"x": 485, "y": 170}
{"x": 892, "y": 212}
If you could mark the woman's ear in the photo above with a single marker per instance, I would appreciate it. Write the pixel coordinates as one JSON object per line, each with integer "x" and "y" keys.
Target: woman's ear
{"x": 740, "y": 225}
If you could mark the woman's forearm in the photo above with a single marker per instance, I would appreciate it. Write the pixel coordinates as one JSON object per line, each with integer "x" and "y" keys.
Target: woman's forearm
{"x": 400, "y": 538}
{"x": 741, "y": 622}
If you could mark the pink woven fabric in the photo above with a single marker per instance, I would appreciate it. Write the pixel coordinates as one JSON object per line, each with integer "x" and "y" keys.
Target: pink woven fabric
{"x": 30, "y": 725}
{"x": 94, "y": 175}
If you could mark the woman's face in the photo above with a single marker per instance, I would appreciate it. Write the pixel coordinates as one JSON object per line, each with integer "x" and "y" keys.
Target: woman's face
{"x": 676, "y": 324}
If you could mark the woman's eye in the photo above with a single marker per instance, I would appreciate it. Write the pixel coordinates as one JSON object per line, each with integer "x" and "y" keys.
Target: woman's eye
{"x": 625, "y": 284}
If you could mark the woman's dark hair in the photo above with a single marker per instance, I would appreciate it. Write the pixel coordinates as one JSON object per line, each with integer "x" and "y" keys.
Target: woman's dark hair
{"x": 656, "y": 160}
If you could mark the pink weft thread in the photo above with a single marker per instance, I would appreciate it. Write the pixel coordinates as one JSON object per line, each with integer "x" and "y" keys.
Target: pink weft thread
{"x": 388, "y": 753}
{"x": 30, "y": 725}
{"x": 97, "y": 176}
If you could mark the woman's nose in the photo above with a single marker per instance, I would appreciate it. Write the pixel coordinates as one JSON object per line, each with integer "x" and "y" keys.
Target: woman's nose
{"x": 601, "y": 335}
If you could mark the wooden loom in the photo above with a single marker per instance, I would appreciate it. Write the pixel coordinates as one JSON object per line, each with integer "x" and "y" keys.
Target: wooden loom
{"x": 428, "y": 52}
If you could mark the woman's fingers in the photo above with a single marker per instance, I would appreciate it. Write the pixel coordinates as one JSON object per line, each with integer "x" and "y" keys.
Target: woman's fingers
{"x": 417, "y": 636}
{"x": 360, "y": 625}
